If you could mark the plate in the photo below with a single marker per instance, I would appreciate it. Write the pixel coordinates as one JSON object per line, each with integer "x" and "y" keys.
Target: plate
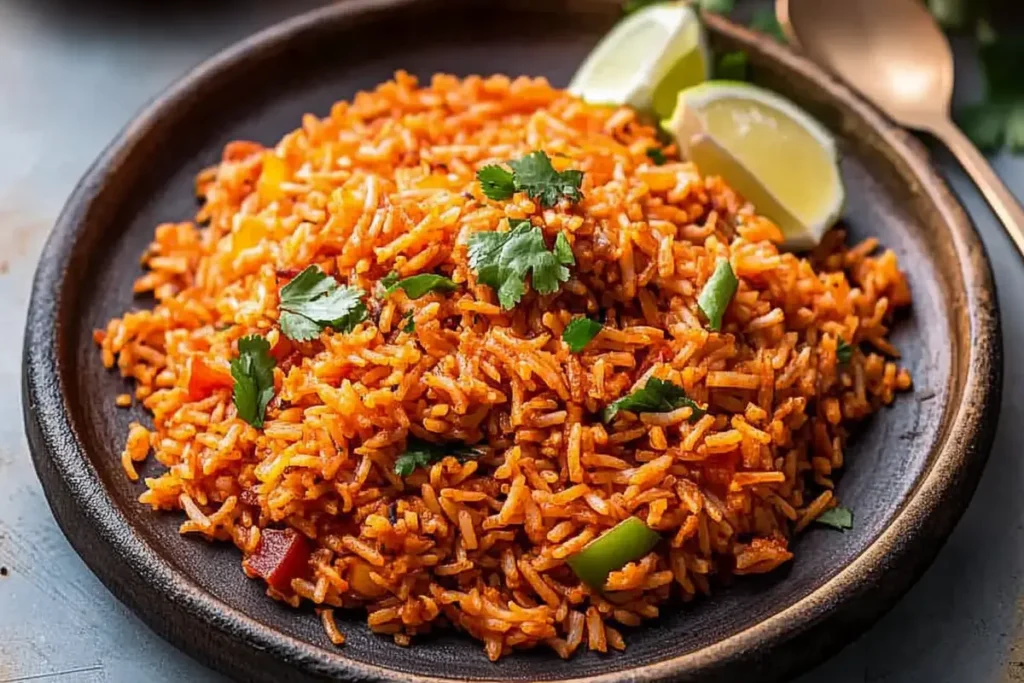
{"x": 911, "y": 469}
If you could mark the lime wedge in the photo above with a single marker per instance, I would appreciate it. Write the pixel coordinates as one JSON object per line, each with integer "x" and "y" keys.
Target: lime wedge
{"x": 646, "y": 59}
{"x": 768, "y": 149}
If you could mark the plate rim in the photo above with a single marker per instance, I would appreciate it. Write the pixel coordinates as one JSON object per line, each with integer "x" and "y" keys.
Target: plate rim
{"x": 905, "y": 547}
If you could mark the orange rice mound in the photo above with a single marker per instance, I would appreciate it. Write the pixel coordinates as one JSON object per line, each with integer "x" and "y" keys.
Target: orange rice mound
{"x": 387, "y": 183}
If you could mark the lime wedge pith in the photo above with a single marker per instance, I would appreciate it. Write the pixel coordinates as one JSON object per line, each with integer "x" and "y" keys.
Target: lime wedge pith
{"x": 772, "y": 152}
{"x": 645, "y": 60}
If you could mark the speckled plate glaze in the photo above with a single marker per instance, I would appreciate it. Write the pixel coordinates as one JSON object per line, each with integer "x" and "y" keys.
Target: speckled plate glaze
{"x": 911, "y": 470}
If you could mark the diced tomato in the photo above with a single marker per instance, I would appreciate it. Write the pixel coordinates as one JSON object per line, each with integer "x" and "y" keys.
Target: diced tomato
{"x": 204, "y": 379}
{"x": 282, "y": 555}
{"x": 250, "y": 496}
{"x": 660, "y": 354}
{"x": 282, "y": 349}
{"x": 719, "y": 470}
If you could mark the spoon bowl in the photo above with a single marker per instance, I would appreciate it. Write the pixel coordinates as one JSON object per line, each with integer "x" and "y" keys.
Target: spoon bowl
{"x": 894, "y": 52}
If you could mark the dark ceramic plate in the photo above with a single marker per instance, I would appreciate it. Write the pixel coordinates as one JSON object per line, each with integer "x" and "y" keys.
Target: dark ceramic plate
{"x": 911, "y": 469}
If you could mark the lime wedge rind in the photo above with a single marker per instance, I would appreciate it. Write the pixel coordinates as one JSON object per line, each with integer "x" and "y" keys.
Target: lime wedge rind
{"x": 631, "y": 62}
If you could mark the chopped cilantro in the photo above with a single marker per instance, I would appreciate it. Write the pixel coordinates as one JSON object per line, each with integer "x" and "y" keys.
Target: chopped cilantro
{"x": 717, "y": 293}
{"x": 421, "y": 453}
{"x": 313, "y": 301}
{"x": 386, "y": 285}
{"x": 844, "y": 351}
{"x": 838, "y": 518}
{"x": 657, "y": 396}
{"x": 416, "y": 286}
{"x": 656, "y": 155}
{"x": 409, "y": 323}
{"x": 496, "y": 182}
{"x": 503, "y": 259}
{"x": 534, "y": 175}
{"x": 253, "y": 372}
{"x": 578, "y": 333}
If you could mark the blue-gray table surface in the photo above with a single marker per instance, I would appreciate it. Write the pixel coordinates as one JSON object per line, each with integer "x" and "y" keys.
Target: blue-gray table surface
{"x": 72, "y": 72}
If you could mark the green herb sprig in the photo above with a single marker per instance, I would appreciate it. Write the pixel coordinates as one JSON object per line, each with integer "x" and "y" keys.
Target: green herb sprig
{"x": 656, "y": 155}
{"x": 313, "y": 301}
{"x": 534, "y": 175}
{"x": 422, "y": 453}
{"x": 502, "y": 260}
{"x": 579, "y": 332}
{"x": 656, "y": 396}
{"x": 253, "y": 372}
{"x": 838, "y": 518}
{"x": 416, "y": 286}
{"x": 844, "y": 351}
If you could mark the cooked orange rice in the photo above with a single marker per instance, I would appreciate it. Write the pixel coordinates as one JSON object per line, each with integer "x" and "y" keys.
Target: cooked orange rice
{"x": 387, "y": 183}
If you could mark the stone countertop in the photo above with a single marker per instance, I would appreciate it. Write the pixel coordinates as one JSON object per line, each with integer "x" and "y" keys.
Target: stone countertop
{"x": 73, "y": 72}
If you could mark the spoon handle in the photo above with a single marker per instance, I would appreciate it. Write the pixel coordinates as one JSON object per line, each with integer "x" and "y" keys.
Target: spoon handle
{"x": 999, "y": 197}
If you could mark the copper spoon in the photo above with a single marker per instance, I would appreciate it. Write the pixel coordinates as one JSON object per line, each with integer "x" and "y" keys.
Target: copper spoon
{"x": 897, "y": 56}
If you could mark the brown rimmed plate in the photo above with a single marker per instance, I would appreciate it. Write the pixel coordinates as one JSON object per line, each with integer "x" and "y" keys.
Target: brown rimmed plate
{"x": 911, "y": 469}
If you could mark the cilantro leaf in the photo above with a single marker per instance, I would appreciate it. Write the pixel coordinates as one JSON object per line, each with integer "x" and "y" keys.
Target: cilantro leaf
{"x": 656, "y": 155}
{"x": 496, "y": 182}
{"x": 297, "y": 327}
{"x": 313, "y": 301}
{"x": 534, "y": 175}
{"x": 409, "y": 326}
{"x": 307, "y": 285}
{"x": 563, "y": 251}
{"x": 416, "y": 286}
{"x": 422, "y": 453}
{"x": 578, "y": 333}
{"x": 657, "y": 396}
{"x": 844, "y": 351}
{"x": 253, "y": 372}
{"x": 717, "y": 293}
{"x": 385, "y": 285}
{"x": 502, "y": 261}
{"x": 838, "y": 518}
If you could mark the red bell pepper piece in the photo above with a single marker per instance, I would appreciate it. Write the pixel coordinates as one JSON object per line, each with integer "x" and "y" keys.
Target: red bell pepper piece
{"x": 280, "y": 556}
